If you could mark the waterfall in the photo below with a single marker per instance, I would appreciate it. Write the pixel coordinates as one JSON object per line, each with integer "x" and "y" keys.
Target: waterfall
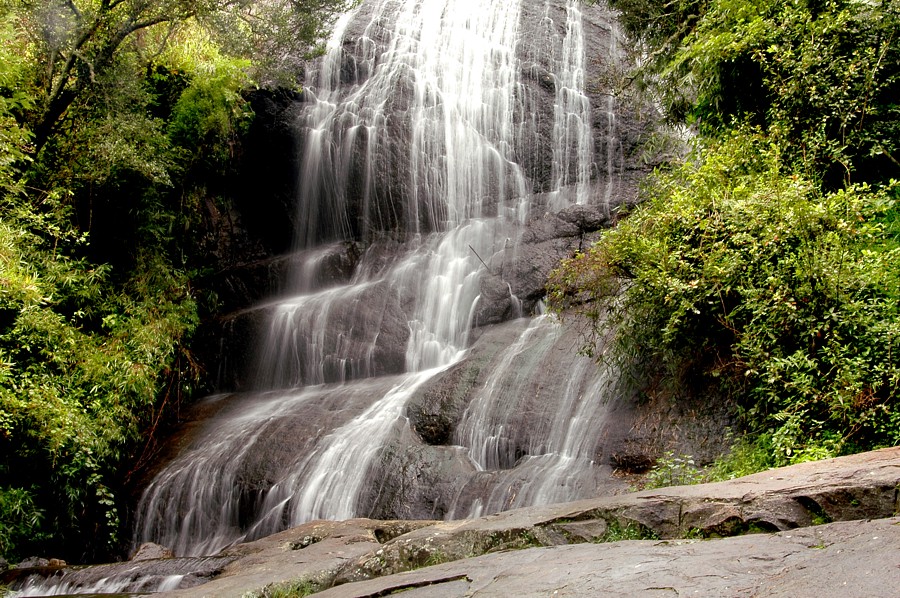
{"x": 554, "y": 460}
{"x": 432, "y": 132}
{"x": 573, "y": 147}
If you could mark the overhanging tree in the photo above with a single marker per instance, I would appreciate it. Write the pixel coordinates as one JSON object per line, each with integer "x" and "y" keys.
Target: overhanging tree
{"x": 75, "y": 42}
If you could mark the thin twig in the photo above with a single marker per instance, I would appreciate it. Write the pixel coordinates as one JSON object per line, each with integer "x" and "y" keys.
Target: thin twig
{"x": 480, "y": 260}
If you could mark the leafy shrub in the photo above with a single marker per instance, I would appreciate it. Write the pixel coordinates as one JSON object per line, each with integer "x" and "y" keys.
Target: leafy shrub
{"x": 747, "y": 455}
{"x": 297, "y": 588}
{"x": 670, "y": 470}
{"x": 822, "y": 78}
{"x": 784, "y": 295}
{"x": 19, "y": 518}
{"x": 632, "y": 530}
{"x": 210, "y": 112}
{"x": 82, "y": 366}
{"x": 117, "y": 125}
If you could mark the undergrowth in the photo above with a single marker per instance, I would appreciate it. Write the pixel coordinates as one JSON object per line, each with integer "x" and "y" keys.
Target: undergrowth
{"x": 615, "y": 532}
{"x": 297, "y": 588}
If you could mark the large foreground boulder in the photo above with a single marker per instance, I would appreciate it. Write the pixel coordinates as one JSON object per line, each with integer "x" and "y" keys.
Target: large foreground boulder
{"x": 848, "y": 560}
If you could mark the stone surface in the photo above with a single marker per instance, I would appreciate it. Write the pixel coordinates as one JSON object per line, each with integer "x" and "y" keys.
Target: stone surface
{"x": 848, "y": 559}
{"x": 521, "y": 270}
{"x": 317, "y": 551}
{"x": 435, "y": 410}
{"x": 859, "y": 558}
{"x": 149, "y": 550}
{"x": 32, "y": 562}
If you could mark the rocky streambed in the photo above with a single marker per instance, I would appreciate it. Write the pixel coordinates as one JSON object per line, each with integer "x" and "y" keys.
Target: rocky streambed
{"x": 827, "y": 528}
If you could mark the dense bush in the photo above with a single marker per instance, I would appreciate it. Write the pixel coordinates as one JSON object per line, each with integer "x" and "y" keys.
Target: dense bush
{"x": 822, "y": 78}
{"x": 786, "y": 294}
{"x": 82, "y": 367}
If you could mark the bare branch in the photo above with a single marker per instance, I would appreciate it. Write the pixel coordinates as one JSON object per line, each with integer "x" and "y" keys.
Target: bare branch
{"x": 74, "y": 10}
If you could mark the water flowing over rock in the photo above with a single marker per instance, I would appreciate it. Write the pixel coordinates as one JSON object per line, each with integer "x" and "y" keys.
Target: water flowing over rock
{"x": 144, "y": 576}
{"x": 448, "y": 158}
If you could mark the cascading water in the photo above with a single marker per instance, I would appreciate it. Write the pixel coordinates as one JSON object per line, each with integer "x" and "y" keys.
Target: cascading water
{"x": 63, "y": 587}
{"x": 551, "y": 458}
{"x": 432, "y": 132}
{"x": 573, "y": 150}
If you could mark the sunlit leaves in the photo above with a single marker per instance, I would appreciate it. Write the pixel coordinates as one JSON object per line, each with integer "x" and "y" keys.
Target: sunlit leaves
{"x": 823, "y": 78}
{"x": 75, "y": 396}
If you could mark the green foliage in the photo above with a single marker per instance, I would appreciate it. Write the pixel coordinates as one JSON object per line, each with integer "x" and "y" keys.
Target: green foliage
{"x": 111, "y": 138}
{"x": 784, "y": 295}
{"x": 746, "y": 456}
{"x": 437, "y": 557}
{"x": 670, "y": 470}
{"x": 117, "y": 119}
{"x": 822, "y": 78}
{"x": 658, "y": 29}
{"x": 83, "y": 366}
{"x": 19, "y": 518}
{"x": 632, "y": 530}
{"x": 766, "y": 263}
{"x": 829, "y": 76}
{"x": 211, "y": 112}
{"x": 278, "y": 35}
{"x": 297, "y": 588}
{"x": 75, "y": 43}
{"x": 14, "y": 138}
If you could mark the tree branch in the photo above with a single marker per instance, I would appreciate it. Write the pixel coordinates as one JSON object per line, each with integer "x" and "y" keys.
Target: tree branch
{"x": 138, "y": 25}
{"x": 65, "y": 73}
{"x": 74, "y": 10}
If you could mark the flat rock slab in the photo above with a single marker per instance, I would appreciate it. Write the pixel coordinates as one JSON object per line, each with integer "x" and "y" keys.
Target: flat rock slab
{"x": 847, "y": 559}
{"x": 317, "y": 550}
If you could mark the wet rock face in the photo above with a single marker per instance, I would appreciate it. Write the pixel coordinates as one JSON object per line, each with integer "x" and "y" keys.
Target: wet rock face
{"x": 414, "y": 481}
{"x": 510, "y": 288}
{"x": 361, "y": 189}
{"x": 146, "y": 575}
{"x": 369, "y": 189}
{"x": 518, "y": 273}
{"x": 436, "y": 409}
{"x": 426, "y": 472}
{"x": 149, "y": 551}
{"x": 230, "y": 344}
